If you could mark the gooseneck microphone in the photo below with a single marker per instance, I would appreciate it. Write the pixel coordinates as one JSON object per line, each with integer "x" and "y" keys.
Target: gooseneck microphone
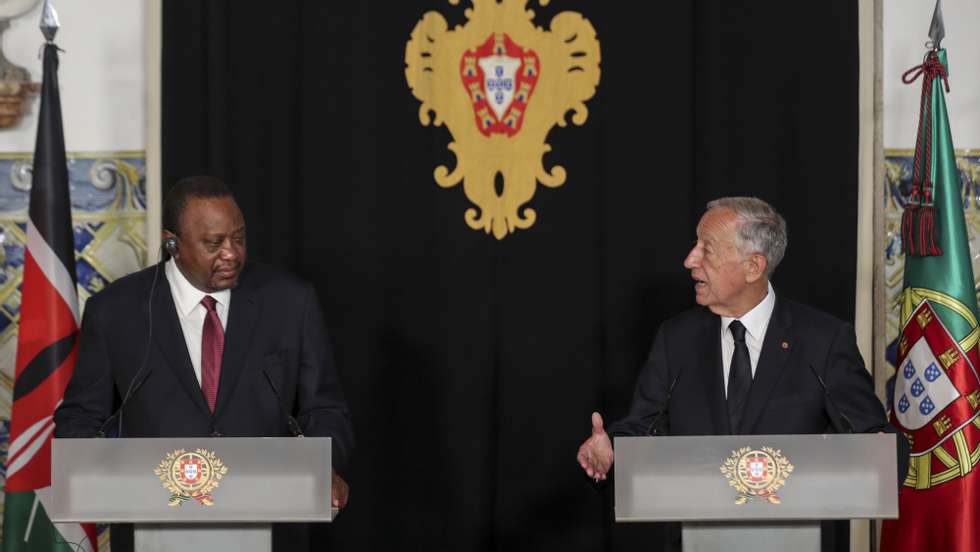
{"x": 847, "y": 426}
{"x": 129, "y": 394}
{"x": 136, "y": 382}
{"x": 664, "y": 414}
{"x": 294, "y": 427}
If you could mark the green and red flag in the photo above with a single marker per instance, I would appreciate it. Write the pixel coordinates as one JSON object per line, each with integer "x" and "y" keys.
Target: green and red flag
{"x": 937, "y": 389}
{"x": 47, "y": 340}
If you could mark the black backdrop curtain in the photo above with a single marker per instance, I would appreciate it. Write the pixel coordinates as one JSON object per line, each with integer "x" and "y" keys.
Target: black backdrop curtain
{"x": 472, "y": 364}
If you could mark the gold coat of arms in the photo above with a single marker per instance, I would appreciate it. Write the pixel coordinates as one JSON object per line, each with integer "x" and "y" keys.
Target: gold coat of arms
{"x": 499, "y": 84}
{"x": 757, "y": 473}
{"x": 191, "y": 476}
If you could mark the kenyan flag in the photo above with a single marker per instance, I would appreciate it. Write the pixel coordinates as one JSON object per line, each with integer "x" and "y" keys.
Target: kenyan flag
{"x": 47, "y": 342}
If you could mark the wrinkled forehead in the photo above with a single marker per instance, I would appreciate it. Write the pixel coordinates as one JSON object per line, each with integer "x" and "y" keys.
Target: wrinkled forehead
{"x": 718, "y": 225}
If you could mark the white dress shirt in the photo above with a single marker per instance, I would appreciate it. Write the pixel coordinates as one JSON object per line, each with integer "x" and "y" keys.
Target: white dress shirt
{"x": 191, "y": 313}
{"x": 755, "y": 321}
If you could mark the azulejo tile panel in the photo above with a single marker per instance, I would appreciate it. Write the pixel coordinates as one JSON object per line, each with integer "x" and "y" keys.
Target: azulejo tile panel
{"x": 896, "y": 187}
{"x": 108, "y": 196}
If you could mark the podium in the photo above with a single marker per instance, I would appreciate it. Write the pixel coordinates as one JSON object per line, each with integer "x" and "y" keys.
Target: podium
{"x": 192, "y": 494}
{"x": 755, "y": 492}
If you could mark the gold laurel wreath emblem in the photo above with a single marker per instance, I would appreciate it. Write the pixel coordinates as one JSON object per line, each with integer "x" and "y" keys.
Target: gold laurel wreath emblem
{"x": 738, "y": 469}
{"x": 208, "y": 471}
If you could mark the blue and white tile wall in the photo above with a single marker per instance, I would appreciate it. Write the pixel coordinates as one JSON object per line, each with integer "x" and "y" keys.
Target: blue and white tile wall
{"x": 108, "y": 195}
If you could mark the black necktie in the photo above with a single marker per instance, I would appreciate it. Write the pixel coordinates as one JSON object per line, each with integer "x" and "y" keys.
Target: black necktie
{"x": 739, "y": 377}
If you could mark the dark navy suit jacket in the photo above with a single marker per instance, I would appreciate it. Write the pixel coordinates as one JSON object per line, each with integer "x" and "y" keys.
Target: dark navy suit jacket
{"x": 275, "y": 327}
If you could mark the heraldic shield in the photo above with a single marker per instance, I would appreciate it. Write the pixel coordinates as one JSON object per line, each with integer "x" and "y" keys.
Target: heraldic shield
{"x": 937, "y": 394}
{"x": 500, "y": 83}
{"x": 191, "y": 475}
{"x": 757, "y": 474}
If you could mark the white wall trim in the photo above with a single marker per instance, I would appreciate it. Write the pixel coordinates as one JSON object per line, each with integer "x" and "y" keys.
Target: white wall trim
{"x": 154, "y": 196}
{"x": 869, "y": 144}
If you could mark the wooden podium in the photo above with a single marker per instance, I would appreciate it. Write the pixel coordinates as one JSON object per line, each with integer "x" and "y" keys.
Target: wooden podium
{"x": 192, "y": 494}
{"x": 755, "y": 492}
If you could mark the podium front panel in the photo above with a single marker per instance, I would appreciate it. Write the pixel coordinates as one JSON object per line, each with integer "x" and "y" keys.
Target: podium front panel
{"x": 264, "y": 479}
{"x": 699, "y": 478}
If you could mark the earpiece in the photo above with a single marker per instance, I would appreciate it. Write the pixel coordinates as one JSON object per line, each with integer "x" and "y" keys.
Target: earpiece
{"x": 170, "y": 245}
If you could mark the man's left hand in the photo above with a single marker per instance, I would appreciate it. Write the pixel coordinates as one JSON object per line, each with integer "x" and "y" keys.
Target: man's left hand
{"x": 339, "y": 491}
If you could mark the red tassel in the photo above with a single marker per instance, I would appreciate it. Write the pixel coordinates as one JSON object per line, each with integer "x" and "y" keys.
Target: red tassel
{"x": 908, "y": 228}
{"x": 927, "y": 232}
{"x": 924, "y": 223}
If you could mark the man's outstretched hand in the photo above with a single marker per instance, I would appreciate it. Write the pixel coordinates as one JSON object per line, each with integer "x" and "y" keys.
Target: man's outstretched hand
{"x": 339, "y": 490}
{"x": 596, "y": 453}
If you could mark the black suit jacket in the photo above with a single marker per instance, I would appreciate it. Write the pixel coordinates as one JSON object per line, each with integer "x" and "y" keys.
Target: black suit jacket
{"x": 275, "y": 327}
{"x": 681, "y": 388}
{"x": 786, "y": 396}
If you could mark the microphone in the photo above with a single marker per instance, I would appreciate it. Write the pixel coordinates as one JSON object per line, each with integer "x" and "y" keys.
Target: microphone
{"x": 664, "y": 413}
{"x": 133, "y": 386}
{"x": 847, "y": 425}
{"x": 294, "y": 427}
{"x": 129, "y": 394}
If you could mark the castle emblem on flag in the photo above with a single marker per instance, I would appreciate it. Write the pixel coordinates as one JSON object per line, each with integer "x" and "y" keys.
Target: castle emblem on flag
{"x": 756, "y": 473}
{"x": 191, "y": 476}
{"x": 936, "y": 384}
{"x": 500, "y": 83}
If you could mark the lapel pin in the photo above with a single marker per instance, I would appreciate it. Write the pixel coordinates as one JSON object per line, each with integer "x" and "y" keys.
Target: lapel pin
{"x": 784, "y": 345}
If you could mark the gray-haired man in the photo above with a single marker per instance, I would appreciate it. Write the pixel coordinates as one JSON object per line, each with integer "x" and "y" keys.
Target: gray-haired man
{"x": 746, "y": 361}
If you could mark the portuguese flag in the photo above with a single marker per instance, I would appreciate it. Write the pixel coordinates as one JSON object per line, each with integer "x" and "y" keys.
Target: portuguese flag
{"x": 47, "y": 340}
{"x": 937, "y": 390}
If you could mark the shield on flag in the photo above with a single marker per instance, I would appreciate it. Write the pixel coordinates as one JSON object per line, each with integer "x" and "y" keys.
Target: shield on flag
{"x": 936, "y": 385}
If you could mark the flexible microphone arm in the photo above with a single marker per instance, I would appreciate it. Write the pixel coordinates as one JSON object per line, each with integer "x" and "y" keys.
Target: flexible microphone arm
{"x": 847, "y": 425}
{"x": 133, "y": 385}
{"x": 129, "y": 394}
{"x": 294, "y": 427}
{"x": 653, "y": 428}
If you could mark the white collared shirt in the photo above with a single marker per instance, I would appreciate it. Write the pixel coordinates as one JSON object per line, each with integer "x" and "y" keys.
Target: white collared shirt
{"x": 756, "y": 321}
{"x": 191, "y": 313}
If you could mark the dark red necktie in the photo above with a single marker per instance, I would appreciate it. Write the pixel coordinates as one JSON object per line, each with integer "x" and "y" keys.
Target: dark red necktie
{"x": 212, "y": 347}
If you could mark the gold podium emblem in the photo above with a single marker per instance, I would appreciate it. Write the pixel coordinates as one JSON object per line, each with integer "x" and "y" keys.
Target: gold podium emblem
{"x": 191, "y": 476}
{"x": 756, "y": 473}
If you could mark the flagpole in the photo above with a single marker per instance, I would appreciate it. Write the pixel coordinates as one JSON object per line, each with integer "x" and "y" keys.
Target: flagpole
{"x": 49, "y": 22}
{"x": 47, "y": 337}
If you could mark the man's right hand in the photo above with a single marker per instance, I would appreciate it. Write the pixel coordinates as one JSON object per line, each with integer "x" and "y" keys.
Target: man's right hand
{"x": 339, "y": 490}
{"x": 596, "y": 453}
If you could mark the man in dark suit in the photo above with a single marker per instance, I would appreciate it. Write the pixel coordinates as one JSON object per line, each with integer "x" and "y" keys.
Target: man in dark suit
{"x": 746, "y": 361}
{"x": 205, "y": 344}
